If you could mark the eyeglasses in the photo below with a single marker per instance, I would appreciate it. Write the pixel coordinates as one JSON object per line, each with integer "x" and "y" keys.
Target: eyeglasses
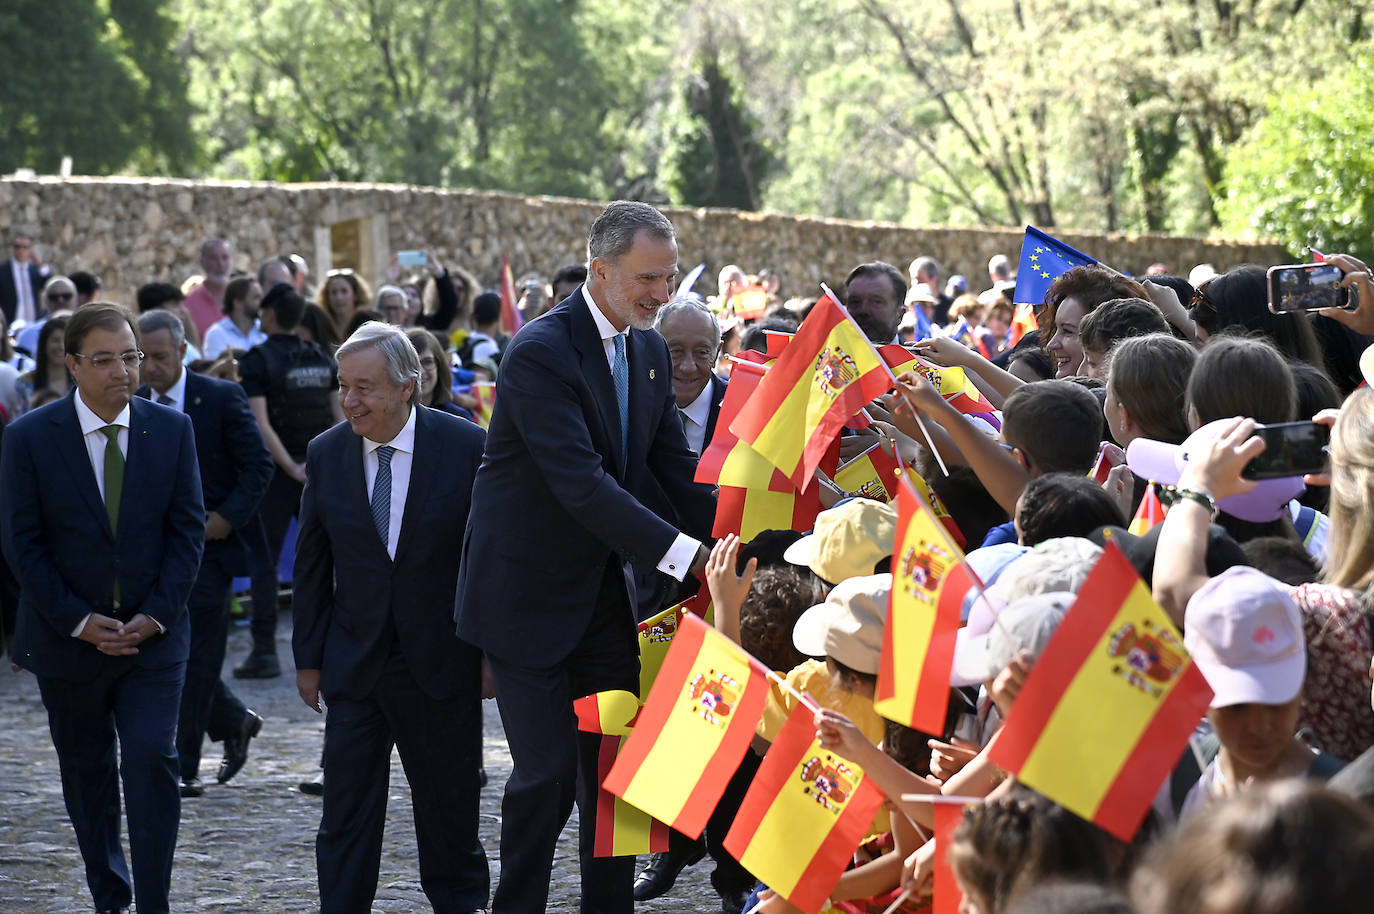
{"x": 104, "y": 361}
{"x": 22, "y": 245}
{"x": 1199, "y": 299}
{"x": 60, "y": 296}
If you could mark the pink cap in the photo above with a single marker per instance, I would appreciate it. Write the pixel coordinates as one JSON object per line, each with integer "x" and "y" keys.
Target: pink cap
{"x": 1244, "y": 632}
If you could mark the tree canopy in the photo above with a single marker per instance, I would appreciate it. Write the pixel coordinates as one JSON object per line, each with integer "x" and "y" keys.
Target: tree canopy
{"x": 1179, "y": 116}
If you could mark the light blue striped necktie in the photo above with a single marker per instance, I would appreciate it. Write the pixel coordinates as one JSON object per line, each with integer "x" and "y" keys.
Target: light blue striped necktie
{"x": 381, "y": 494}
{"x": 620, "y": 377}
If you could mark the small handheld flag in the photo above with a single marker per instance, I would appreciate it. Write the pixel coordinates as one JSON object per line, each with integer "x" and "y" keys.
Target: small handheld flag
{"x": 803, "y": 816}
{"x": 1109, "y": 704}
{"x": 1043, "y": 260}
{"x": 694, "y": 729}
{"x": 511, "y": 320}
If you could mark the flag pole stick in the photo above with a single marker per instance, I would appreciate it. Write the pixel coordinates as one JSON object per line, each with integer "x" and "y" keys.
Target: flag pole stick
{"x": 906, "y": 893}
{"x": 800, "y": 696}
{"x": 933, "y": 449}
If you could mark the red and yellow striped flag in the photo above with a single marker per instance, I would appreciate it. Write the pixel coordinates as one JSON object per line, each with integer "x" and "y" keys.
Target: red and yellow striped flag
{"x": 824, "y": 376}
{"x": 484, "y": 392}
{"x": 1022, "y": 322}
{"x": 930, "y": 580}
{"x": 1149, "y": 513}
{"x": 873, "y": 474}
{"x": 750, "y": 303}
{"x": 511, "y": 321}
{"x": 947, "y": 895}
{"x": 805, "y": 813}
{"x": 748, "y": 512}
{"x": 937, "y": 505}
{"x": 899, "y": 358}
{"x": 621, "y": 830}
{"x": 777, "y": 341}
{"x": 727, "y": 461}
{"x": 1109, "y": 704}
{"x": 954, "y": 386}
{"x": 694, "y": 729}
{"x": 656, "y": 634}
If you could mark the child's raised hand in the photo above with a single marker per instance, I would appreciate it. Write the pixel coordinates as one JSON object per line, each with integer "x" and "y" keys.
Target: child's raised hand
{"x": 918, "y": 872}
{"x": 1008, "y": 683}
{"x": 837, "y": 733}
{"x": 728, "y": 589}
{"x": 948, "y": 759}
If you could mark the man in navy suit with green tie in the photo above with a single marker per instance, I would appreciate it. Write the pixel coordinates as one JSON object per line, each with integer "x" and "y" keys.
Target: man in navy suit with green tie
{"x": 102, "y": 520}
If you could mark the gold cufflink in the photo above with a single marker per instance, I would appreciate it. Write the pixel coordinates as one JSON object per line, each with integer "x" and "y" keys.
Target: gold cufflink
{"x": 651, "y": 374}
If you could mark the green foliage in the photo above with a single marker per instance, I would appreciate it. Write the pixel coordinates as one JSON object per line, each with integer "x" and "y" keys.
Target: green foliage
{"x": 101, "y": 86}
{"x": 714, "y": 157}
{"x": 1302, "y": 174}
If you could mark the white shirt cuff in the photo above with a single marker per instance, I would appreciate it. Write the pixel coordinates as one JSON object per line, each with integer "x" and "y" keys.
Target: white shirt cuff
{"x": 677, "y": 561}
{"x": 76, "y": 632}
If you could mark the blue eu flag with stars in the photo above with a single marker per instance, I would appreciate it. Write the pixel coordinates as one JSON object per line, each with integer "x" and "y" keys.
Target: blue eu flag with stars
{"x": 1043, "y": 260}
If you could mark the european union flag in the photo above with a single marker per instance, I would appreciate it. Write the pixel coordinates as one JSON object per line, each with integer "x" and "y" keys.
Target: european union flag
{"x": 1043, "y": 260}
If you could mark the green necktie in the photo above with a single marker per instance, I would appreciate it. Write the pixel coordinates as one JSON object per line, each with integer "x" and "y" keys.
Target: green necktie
{"x": 114, "y": 484}
{"x": 114, "y": 474}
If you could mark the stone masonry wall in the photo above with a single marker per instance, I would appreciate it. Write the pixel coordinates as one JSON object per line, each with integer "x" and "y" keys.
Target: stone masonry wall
{"x": 134, "y": 230}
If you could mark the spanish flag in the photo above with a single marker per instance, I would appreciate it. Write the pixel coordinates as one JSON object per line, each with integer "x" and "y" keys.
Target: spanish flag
{"x": 727, "y": 461}
{"x": 621, "y": 830}
{"x": 748, "y": 512}
{"x": 694, "y": 729}
{"x": 485, "y": 394}
{"x": 824, "y": 376}
{"x": 947, "y": 895}
{"x": 804, "y": 815}
{"x": 899, "y": 358}
{"x": 1023, "y": 321}
{"x": 750, "y": 303}
{"x": 511, "y": 320}
{"x": 929, "y": 582}
{"x": 777, "y": 341}
{"x": 1149, "y": 513}
{"x": 656, "y": 634}
{"x": 937, "y": 505}
{"x": 1108, "y": 707}
{"x": 873, "y": 474}
{"x": 954, "y": 386}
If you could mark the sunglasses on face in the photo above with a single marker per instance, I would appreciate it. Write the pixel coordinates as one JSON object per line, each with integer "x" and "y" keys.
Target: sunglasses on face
{"x": 61, "y": 296}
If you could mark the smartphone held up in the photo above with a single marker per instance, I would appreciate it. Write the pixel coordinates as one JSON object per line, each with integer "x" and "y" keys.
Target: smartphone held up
{"x": 1307, "y": 287}
{"x": 1290, "y": 449}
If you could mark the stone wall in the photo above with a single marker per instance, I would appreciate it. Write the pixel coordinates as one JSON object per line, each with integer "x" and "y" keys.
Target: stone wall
{"x": 133, "y": 230}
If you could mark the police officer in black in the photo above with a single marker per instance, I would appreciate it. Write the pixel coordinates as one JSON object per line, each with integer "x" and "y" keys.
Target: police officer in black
{"x": 291, "y": 384}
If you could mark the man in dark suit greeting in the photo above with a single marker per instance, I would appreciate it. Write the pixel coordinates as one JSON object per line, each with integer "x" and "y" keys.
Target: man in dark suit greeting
{"x": 235, "y": 468}
{"x": 586, "y": 427}
{"x": 102, "y": 522}
{"x": 385, "y": 503}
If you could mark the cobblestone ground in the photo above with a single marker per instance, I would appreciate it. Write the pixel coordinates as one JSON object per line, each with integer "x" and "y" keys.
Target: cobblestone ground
{"x": 247, "y": 846}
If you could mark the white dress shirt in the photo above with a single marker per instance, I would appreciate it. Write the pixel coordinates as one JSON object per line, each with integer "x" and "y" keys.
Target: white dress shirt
{"x": 95, "y": 439}
{"x": 23, "y": 288}
{"x": 224, "y": 334}
{"x": 697, "y": 414}
{"x": 401, "y": 462}
{"x": 677, "y": 561}
{"x": 177, "y": 394}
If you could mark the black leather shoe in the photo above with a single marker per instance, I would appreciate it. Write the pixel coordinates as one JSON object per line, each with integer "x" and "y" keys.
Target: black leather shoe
{"x": 236, "y": 747}
{"x": 192, "y": 787}
{"x": 658, "y": 877}
{"x": 113, "y": 911}
{"x": 312, "y": 788}
{"x": 258, "y": 666}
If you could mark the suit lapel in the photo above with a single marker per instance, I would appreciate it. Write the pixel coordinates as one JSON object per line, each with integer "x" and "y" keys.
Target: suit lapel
{"x": 422, "y": 468}
{"x": 592, "y": 361}
{"x": 140, "y": 474}
{"x": 71, "y": 449}
{"x": 642, "y": 408}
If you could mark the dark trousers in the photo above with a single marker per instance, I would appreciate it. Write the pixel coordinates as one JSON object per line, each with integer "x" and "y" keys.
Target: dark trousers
{"x": 207, "y": 704}
{"x": 440, "y": 743}
{"x": 281, "y": 503}
{"x": 138, "y": 708}
{"x": 554, "y": 765}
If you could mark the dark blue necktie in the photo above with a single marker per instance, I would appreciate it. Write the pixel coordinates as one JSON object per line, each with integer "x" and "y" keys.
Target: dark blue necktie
{"x": 381, "y": 494}
{"x": 620, "y": 377}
